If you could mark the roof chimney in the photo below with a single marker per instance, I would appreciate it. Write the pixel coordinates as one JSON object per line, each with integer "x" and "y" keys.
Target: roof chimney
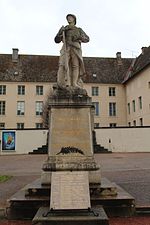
{"x": 118, "y": 55}
{"x": 143, "y": 50}
{"x": 15, "y": 54}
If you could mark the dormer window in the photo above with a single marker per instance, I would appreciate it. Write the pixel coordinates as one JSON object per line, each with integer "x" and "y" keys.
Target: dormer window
{"x": 94, "y": 75}
{"x": 16, "y": 73}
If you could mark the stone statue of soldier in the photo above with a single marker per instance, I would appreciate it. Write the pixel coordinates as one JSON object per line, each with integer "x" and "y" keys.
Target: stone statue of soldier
{"x": 71, "y": 66}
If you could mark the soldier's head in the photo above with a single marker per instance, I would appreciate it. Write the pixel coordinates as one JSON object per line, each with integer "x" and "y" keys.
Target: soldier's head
{"x": 71, "y": 18}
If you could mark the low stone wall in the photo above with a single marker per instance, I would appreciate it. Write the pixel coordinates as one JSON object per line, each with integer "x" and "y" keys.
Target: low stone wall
{"x": 119, "y": 139}
{"x": 124, "y": 139}
{"x": 25, "y": 140}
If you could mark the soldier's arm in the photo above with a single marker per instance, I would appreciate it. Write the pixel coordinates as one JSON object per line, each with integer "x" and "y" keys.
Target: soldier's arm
{"x": 59, "y": 35}
{"x": 83, "y": 36}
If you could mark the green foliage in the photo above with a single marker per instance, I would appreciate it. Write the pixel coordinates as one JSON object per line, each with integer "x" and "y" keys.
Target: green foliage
{"x": 4, "y": 178}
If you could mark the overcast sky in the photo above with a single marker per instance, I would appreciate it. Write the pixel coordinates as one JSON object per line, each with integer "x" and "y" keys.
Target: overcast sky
{"x": 112, "y": 25}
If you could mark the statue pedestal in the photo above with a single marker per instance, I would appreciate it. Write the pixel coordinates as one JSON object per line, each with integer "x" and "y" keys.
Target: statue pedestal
{"x": 70, "y": 166}
{"x": 70, "y": 146}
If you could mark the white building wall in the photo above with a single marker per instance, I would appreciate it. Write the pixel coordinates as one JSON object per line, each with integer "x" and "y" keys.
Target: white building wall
{"x": 26, "y": 141}
{"x": 136, "y": 87}
{"x": 124, "y": 139}
{"x": 114, "y": 139}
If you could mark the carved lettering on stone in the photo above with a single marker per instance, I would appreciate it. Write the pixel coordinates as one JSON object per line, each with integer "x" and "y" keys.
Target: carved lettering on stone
{"x": 70, "y": 190}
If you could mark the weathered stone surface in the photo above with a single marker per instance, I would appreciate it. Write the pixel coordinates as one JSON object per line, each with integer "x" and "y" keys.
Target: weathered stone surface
{"x": 70, "y": 125}
{"x": 95, "y": 216}
{"x": 70, "y": 162}
{"x": 68, "y": 91}
{"x": 46, "y": 177}
{"x": 70, "y": 190}
{"x": 94, "y": 177}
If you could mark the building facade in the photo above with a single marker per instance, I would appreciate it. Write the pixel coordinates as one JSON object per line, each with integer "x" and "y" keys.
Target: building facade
{"x": 119, "y": 88}
{"x": 137, "y": 87}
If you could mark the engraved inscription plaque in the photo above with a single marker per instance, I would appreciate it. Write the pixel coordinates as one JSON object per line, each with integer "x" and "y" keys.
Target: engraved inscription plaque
{"x": 70, "y": 190}
{"x": 72, "y": 127}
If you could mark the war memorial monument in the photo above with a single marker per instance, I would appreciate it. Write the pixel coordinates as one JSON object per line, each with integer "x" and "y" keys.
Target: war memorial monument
{"x": 71, "y": 190}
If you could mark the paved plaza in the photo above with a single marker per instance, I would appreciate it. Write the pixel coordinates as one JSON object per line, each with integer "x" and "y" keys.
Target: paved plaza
{"x": 129, "y": 170}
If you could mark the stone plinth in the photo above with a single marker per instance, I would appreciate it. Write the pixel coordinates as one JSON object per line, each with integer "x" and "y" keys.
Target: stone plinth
{"x": 70, "y": 127}
{"x": 70, "y": 143}
{"x": 95, "y": 216}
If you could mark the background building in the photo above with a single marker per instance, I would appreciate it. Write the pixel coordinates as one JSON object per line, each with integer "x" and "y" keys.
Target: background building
{"x": 137, "y": 86}
{"x": 119, "y": 88}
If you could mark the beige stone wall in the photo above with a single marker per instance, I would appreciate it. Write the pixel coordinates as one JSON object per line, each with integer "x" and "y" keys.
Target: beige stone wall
{"x": 26, "y": 141}
{"x": 30, "y": 118}
{"x": 104, "y": 119}
{"x": 124, "y": 139}
{"x": 136, "y": 87}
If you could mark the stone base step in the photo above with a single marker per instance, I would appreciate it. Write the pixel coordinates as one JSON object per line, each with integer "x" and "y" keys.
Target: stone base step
{"x": 36, "y": 189}
{"x": 26, "y": 202}
{"x": 95, "y": 216}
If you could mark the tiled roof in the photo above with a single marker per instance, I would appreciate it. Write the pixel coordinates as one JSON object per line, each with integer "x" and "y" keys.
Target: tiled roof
{"x": 29, "y": 68}
{"x": 140, "y": 63}
{"x": 41, "y": 68}
{"x": 108, "y": 70}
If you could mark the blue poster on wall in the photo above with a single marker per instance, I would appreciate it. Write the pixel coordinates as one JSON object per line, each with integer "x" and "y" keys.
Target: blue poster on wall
{"x": 8, "y": 140}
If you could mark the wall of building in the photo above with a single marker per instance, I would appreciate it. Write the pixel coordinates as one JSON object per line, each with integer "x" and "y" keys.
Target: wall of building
{"x": 26, "y": 141}
{"x": 124, "y": 139}
{"x": 136, "y": 87}
{"x": 103, "y": 98}
{"x": 30, "y": 118}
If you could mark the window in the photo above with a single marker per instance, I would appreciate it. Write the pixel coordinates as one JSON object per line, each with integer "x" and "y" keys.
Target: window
{"x": 112, "y": 124}
{"x": 140, "y": 102}
{"x": 96, "y": 105}
{"x": 141, "y": 121}
{"x": 21, "y": 90}
{"x": 95, "y": 91}
{"x": 112, "y": 91}
{"x": 20, "y": 125}
{"x": 2, "y": 125}
{"x": 112, "y": 109}
{"x": 96, "y": 125}
{"x": 133, "y": 105}
{"x": 2, "y": 107}
{"x": 128, "y": 108}
{"x": 129, "y": 124}
{"x": 20, "y": 108}
{"x": 149, "y": 84}
{"x": 39, "y": 125}
{"x": 94, "y": 75}
{"x": 39, "y": 90}
{"x": 2, "y": 89}
{"x": 39, "y": 108}
{"x": 134, "y": 123}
